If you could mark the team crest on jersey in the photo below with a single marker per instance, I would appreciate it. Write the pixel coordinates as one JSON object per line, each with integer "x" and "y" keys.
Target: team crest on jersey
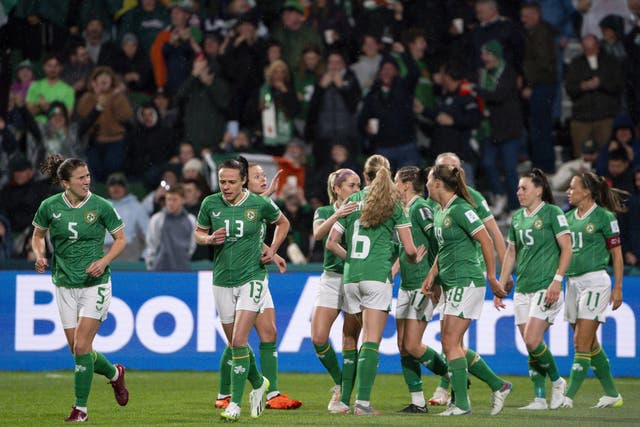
{"x": 537, "y": 224}
{"x": 446, "y": 222}
{"x": 590, "y": 228}
{"x": 250, "y": 214}
{"x": 90, "y": 217}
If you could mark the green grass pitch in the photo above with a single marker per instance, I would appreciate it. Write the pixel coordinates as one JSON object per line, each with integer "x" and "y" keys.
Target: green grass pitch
{"x": 186, "y": 398}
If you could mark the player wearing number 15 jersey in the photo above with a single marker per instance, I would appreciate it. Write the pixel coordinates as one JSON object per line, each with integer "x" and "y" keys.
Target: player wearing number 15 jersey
{"x": 595, "y": 236}
{"x": 368, "y": 234}
{"x": 539, "y": 241}
{"x": 240, "y": 284}
{"x": 76, "y": 221}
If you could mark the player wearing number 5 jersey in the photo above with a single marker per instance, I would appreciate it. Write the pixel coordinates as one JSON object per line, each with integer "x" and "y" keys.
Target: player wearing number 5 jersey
{"x": 596, "y": 237}
{"x": 539, "y": 242}
{"x": 240, "y": 285}
{"x": 76, "y": 221}
{"x": 368, "y": 290}
{"x": 457, "y": 227}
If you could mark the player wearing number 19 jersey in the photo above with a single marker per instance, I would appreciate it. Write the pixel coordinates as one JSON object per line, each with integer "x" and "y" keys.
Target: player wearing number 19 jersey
{"x": 76, "y": 221}
{"x": 596, "y": 238}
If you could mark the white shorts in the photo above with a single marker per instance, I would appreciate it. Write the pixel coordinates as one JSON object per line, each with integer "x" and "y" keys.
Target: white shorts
{"x": 330, "y": 291}
{"x": 587, "y": 296}
{"x": 367, "y": 294}
{"x": 465, "y": 302}
{"x": 532, "y": 305}
{"x": 251, "y": 297}
{"x": 92, "y": 302}
{"x": 268, "y": 302}
{"x": 414, "y": 305}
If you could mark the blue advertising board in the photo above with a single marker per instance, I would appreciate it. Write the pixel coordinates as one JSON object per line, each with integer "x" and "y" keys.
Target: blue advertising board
{"x": 167, "y": 321}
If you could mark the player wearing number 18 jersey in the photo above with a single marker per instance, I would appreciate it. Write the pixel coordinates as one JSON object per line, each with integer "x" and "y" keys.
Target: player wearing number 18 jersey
{"x": 76, "y": 221}
{"x": 539, "y": 241}
{"x": 368, "y": 290}
{"x": 596, "y": 237}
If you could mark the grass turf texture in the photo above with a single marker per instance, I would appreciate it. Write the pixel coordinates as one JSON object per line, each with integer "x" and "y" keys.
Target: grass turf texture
{"x": 187, "y": 398}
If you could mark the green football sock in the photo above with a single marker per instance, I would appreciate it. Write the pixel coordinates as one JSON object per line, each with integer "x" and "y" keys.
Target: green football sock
{"x": 102, "y": 366}
{"x": 434, "y": 362}
{"x": 254, "y": 376}
{"x": 224, "y": 387}
{"x": 458, "y": 373}
{"x": 538, "y": 379}
{"x": 545, "y": 360}
{"x": 329, "y": 360}
{"x": 269, "y": 364}
{"x": 239, "y": 372}
{"x": 479, "y": 368}
{"x": 412, "y": 373}
{"x": 367, "y": 369}
{"x": 579, "y": 370}
{"x": 82, "y": 378}
{"x": 349, "y": 369}
{"x": 602, "y": 370}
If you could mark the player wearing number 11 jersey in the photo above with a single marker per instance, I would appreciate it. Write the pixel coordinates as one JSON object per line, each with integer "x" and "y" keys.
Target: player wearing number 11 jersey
{"x": 595, "y": 236}
{"x": 76, "y": 221}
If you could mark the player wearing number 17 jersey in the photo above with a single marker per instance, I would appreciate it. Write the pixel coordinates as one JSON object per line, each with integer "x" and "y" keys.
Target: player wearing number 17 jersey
{"x": 76, "y": 221}
{"x": 596, "y": 237}
{"x": 539, "y": 241}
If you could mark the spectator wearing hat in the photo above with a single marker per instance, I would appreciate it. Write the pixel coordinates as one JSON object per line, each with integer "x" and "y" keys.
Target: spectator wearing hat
{"x": 21, "y": 196}
{"x": 294, "y": 34}
{"x": 20, "y": 86}
{"x": 387, "y": 113}
{"x": 133, "y": 215}
{"x": 133, "y": 67}
{"x": 333, "y": 110}
{"x": 612, "y": 27}
{"x": 98, "y": 42}
{"x": 145, "y": 20}
{"x": 540, "y": 85}
{"x": 242, "y": 53}
{"x": 585, "y": 163}
{"x": 105, "y": 112}
{"x": 594, "y": 82}
{"x": 51, "y": 88}
{"x": 501, "y": 133}
{"x": 170, "y": 240}
{"x": 77, "y": 68}
{"x": 623, "y": 134}
{"x": 175, "y": 48}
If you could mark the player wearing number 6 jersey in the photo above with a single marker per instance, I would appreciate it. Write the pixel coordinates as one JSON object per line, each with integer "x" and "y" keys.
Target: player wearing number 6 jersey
{"x": 240, "y": 285}
{"x": 76, "y": 221}
{"x": 596, "y": 237}
{"x": 457, "y": 227}
{"x": 539, "y": 242}
{"x": 368, "y": 290}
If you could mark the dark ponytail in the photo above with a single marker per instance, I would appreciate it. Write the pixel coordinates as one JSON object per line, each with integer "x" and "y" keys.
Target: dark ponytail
{"x": 539, "y": 179}
{"x": 59, "y": 169}
{"x": 612, "y": 199}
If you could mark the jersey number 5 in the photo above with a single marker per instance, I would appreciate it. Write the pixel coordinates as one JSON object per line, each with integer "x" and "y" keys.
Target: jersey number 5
{"x": 74, "y": 233}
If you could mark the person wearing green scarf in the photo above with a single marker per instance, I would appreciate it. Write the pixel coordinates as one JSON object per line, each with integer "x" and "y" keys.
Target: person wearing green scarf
{"x": 501, "y": 131}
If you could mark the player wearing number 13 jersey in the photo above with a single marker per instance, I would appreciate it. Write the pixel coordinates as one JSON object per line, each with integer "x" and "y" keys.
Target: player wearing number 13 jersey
{"x": 240, "y": 284}
{"x": 595, "y": 236}
{"x": 76, "y": 221}
{"x": 368, "y": 234}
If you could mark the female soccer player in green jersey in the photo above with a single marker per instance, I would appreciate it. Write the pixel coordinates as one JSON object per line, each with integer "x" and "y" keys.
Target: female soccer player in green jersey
{"x": 265, "y": 321}
{"x": 330, "y": 298}
{"x": 540, "y": 244}
{"x": 596, "y": 237}
{"x": 368, "y": 234}
{"x": 457, "y": 227}
{"x": 76, "y": 221}
{"x": 413, "y": 308}
{"x": 240, "y": 283}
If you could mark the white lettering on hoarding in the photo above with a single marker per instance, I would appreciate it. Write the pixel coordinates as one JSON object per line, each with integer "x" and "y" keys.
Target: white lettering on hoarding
{"x": 182, "y": 317}
{"x": 122, "y": 333}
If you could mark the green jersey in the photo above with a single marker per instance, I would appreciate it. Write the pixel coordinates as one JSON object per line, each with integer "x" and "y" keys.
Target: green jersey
{"x": 77, "y": 234}
{"x": 420, "y": 213}
{"x": 484, "y": 212}
{"x": 237, "y": 261}
{"x": 538, "y": 253}
{"x": 454, "y": 227}
{"x": 369, "y": 249}
{"x": 591, "y": 237}
{"x": 331, "y": 261}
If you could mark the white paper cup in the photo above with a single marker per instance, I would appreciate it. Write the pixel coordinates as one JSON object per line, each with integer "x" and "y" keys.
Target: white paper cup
{"x": 374, "y": 126}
